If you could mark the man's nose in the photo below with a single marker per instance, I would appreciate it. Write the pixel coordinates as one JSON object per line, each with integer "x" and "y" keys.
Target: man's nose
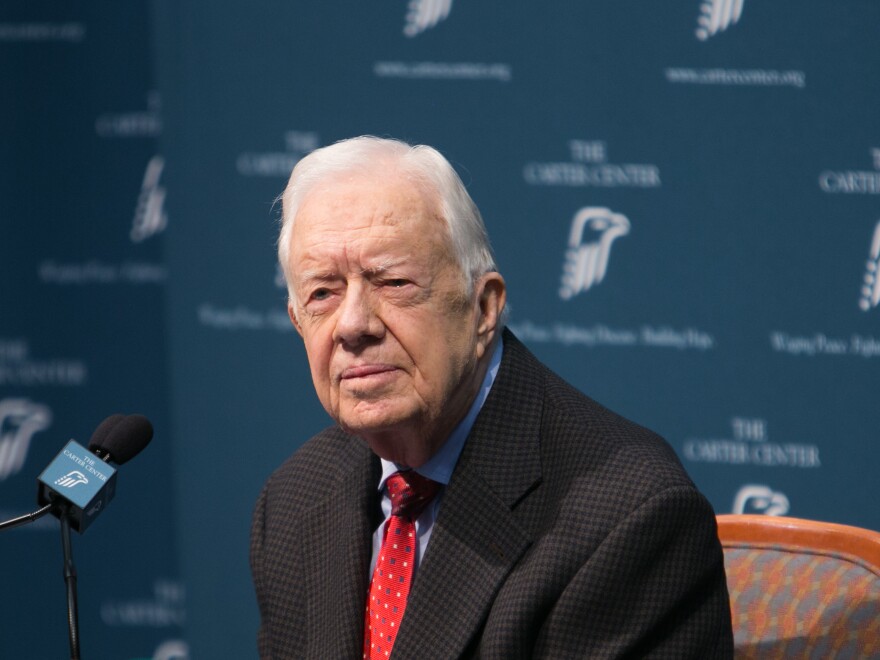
{"x": 357, "y": 320}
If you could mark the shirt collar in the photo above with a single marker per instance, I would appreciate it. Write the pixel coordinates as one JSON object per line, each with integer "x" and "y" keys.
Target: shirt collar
{"x": 440, "y": 466}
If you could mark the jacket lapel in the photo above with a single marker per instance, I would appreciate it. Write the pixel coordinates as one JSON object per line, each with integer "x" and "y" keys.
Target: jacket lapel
{"x": 477, "y": 540}
{"x": 337, "y": 559}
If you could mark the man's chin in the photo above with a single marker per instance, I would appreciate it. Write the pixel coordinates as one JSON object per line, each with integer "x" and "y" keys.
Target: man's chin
{"x": 382, "y": 431}
{"x": 368, "y": 431}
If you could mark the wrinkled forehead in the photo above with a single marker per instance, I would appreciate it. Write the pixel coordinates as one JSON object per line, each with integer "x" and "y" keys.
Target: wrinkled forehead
{"x": 368, "y": 218}
{"x": 348, "y": 200}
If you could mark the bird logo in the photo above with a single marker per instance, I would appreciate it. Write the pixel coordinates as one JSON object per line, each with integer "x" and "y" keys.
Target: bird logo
{"x": 71, "y": 479}
{"x": 716, "y": 16}
{"x": 422, "y": 15}
{"x": 754, "y": 498}
{"x": 20, "y": 419}
{"x": 871, "y": 288}
{"x": 150, "y": 217}
{"x": 593, "y": 230}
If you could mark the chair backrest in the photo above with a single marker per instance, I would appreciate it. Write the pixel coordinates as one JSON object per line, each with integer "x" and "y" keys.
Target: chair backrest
{"x": 800, "y": 588}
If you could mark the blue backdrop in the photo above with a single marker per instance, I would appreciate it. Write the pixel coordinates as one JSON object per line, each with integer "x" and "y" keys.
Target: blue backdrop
{"x": 683, "y": 198}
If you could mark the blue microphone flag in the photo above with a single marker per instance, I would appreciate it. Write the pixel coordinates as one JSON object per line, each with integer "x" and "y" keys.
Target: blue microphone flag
{"x": 79, "y": 479}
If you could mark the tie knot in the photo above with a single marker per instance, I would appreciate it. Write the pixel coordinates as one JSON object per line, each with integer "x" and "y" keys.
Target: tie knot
{"x": 410, "y": 493}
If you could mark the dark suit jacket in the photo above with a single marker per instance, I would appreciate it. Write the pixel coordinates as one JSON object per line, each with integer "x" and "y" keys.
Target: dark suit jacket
{"x": 565, "y": 531}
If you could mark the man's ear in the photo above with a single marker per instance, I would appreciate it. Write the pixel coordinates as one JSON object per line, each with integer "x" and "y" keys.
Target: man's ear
{"x": 491, "y": 294}
{"x": 292, "y": 316}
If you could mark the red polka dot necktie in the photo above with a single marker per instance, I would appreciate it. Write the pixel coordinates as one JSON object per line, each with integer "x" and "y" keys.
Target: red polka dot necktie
{"x": 410, "y": 493}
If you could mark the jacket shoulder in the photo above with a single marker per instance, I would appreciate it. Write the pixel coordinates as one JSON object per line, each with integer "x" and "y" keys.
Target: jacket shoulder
{"x": 312, "y": 471}
{"x": 578, "y": 435}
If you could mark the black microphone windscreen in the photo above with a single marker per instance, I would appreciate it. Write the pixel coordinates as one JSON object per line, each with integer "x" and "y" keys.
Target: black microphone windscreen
{"x": 99, "y": 437}
{"x": 128, "y": 438}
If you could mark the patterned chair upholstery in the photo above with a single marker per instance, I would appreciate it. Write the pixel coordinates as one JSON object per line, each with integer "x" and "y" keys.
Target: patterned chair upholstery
{"x": 801, "y": 589}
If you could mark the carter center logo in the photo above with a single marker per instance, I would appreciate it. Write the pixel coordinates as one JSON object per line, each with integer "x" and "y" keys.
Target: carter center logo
{"x": 20, "y": 419}
{"x": 71, "y": 479}
{"x": 422, "y": 15}
{"x": 593, "y": 230}
{"x": 716, "y": 16}
{"x": 149, "y": 216}
{"x": 755, "y": 498}
{"x": 871, "y": 289}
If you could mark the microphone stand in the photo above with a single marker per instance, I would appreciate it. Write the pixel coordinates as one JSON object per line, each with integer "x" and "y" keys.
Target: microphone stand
{"x": 26, "y": 518}
{"x": 70, "y": 581}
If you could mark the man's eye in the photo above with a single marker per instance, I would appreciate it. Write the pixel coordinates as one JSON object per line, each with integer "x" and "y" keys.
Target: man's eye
{"x": 320, "y": 294}
{"x": 397, "y": 283}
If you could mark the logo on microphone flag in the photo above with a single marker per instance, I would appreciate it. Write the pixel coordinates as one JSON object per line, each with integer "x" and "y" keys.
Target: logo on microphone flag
{"x": 71, "y": 479}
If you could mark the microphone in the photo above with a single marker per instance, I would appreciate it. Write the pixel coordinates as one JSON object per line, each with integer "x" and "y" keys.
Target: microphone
{"x": 76, "y": 487}
{"x": 120, "y": 438}
{"x": 103, "y": 430}
{"x": 79, "y": 483}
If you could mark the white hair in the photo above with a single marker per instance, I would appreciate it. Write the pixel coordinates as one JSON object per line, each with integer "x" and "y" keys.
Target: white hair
{"x": 372, "y": 155}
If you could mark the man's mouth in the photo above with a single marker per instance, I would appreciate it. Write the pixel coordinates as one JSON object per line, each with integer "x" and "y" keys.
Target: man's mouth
{"x": 365, "y": 370}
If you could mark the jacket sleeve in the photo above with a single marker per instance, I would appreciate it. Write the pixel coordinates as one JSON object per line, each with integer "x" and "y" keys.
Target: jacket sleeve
{"x": 256, "y": 561}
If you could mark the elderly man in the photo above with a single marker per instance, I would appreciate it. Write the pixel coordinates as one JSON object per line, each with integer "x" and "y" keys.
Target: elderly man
{"x": 468, "y": 502}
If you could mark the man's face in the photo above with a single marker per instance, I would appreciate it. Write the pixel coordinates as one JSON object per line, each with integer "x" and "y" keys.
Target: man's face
{"x": 394, "y": 345}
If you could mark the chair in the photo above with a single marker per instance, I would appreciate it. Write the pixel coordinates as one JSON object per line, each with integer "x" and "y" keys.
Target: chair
{"x": 800, "y": 588}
